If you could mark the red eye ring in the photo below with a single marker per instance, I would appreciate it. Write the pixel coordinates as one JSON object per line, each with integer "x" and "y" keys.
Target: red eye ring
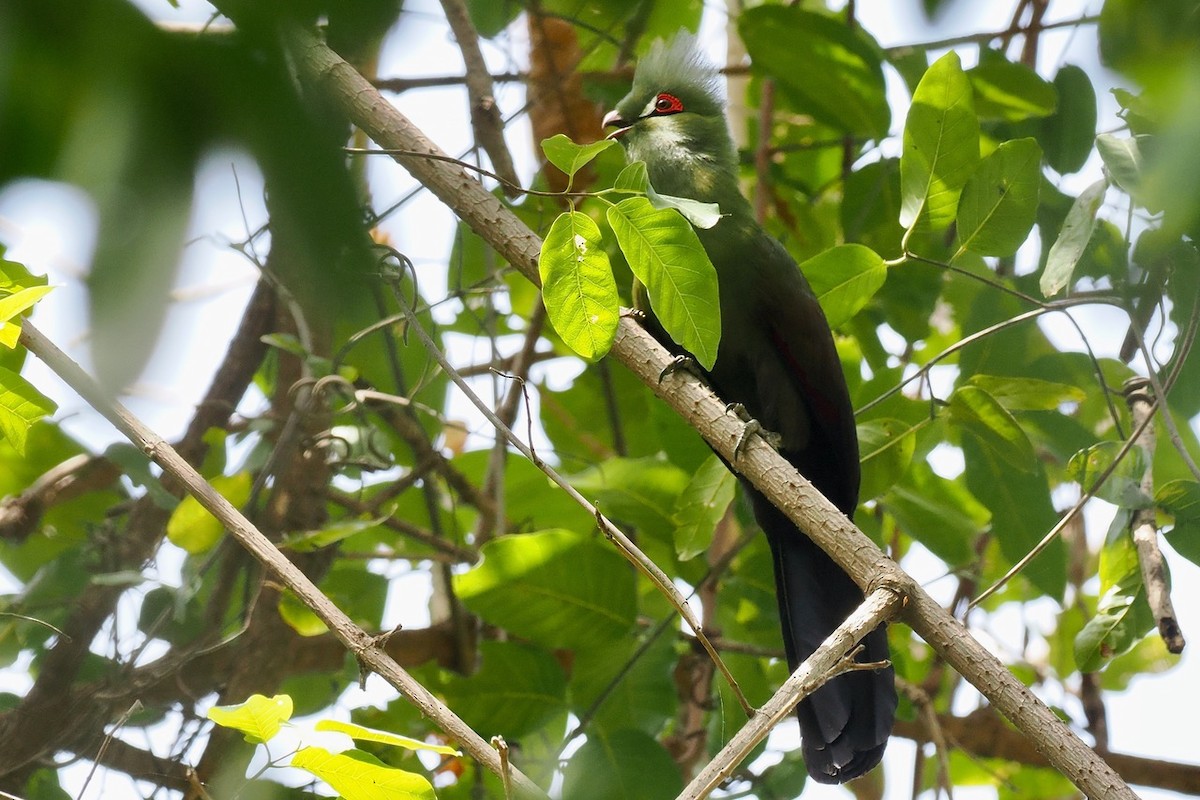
{"x": 667, "y": 104}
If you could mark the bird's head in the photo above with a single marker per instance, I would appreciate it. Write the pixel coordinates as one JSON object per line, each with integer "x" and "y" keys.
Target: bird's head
{"x": 673, "y": 119}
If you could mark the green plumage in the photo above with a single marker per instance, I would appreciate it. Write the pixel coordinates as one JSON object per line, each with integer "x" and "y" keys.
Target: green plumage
{"x": 778, "y": 359}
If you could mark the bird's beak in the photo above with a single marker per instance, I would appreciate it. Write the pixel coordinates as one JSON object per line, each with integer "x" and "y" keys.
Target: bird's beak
{"x": 613, "y": 120}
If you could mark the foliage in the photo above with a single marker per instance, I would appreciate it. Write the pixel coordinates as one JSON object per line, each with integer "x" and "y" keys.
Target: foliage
{"x": 934, "y": 267}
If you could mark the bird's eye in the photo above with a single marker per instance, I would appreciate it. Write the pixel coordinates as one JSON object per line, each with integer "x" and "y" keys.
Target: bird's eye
{"x": 667, "y": 104}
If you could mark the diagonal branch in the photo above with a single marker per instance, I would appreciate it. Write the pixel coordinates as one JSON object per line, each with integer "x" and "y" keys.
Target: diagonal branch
{"x": 366, "y": 648}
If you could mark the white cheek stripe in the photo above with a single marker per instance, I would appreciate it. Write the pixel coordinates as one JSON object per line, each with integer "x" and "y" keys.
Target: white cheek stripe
{"x": 649, "y": 109}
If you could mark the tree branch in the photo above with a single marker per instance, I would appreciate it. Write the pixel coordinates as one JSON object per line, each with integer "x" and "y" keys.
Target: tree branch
{"x": 1143, "y": 527}
{"x": 365, "y": 647}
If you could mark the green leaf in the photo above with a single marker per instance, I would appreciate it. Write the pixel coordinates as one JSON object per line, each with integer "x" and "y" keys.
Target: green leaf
{"x": 1073, "y": 239}
{"x": 633, "y": 178}
{"x": 1122, "y": 157}
{"x": 1122, "y": 615}
{"x": 999, "y": 203}
{"x": 1028, "y": 394}
{"x": 667, "y": 257}
{"x": 1181, "y": 499}
{"x": 570, "y": 157}
{"x": 1068, "y": 134}
{"x": 578, "y": 287}
{"x": 359, "y": 776}
{"x": 981, "y": 414}
{"x": 941, "y": 145}
{"x": 844, "y": 279}
{"x": 625, "y": 765}
{"x": 557, "y": 588}
{"x": 21, "y": 405}
{"x": 364, "y": 734}
{"x": 1007, "y": 91}
{"x": 793, "y": 45}
{"x": 702, "y": 215}
{"x": 701, "y": 505}
{"x": 193, "y": 528}
{"x": 1124, "y": 486}
{"x": 1021, "y": 513}
{"x": 639, "y": 491}
{"x": 886, "y": 449}
{"x": 259, "y": 718}
{"x": 517, "y": 690}
{"x": 937, "y": 512}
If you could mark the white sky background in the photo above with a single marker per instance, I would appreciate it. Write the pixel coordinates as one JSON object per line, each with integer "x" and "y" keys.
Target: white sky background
{"x": 50, "y": 227}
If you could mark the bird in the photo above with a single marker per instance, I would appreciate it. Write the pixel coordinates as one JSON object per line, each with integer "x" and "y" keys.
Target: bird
{"x": 777, "y": 359}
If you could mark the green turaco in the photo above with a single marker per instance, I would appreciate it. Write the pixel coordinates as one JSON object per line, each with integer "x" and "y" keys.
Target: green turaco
{"x": 777, "y": 359}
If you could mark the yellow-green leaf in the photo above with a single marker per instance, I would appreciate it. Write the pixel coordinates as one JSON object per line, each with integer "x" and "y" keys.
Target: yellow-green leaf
{"x": 259, "y": 718}
{"x": 359, "y": 776}
{"x": 365, "y": 734}
{"x": 193, "y": 528}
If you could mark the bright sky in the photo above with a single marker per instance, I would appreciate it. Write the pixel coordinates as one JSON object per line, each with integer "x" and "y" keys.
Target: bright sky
{"x": 51, "y": 228}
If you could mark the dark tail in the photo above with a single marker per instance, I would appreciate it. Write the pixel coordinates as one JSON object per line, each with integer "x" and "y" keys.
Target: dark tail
{"x": 844, "y": 725}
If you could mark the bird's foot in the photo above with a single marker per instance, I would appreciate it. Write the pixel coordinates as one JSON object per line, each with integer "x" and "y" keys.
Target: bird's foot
{"x": 751, "y": 428}
{"x": 682, "y": 363}
{"x": 635, "y": 314}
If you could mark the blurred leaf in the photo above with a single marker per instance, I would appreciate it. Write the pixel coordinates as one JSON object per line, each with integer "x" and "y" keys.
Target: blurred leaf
{"x": 941, "y": 145}
{"x": 624, "y": 765}
{"x": 491, "y": 17}
{"x": 998, "y": 205}
{"x": 258, "y": 718}
{"x": 844, "y": 280}
{"x": 557, "y": 588}
{"x": 578, "y": 286}
{"x": 793, "y": 44}
{"x": 1072, "y": 239}
{"x": 1123, "y": 160}
{"x": 1067, "y": 135}
{"x": 1007, "y": 91}
{"x": 700, "y": 507}
{"x": 665, "y": 255}
{"x": 517, "y": 689}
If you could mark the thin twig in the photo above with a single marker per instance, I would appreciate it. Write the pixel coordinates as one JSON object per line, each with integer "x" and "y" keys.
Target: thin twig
{"x": 486, "y": 121}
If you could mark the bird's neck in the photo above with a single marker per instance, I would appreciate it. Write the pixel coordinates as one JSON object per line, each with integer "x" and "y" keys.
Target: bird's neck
{"x": 696, "y": 164}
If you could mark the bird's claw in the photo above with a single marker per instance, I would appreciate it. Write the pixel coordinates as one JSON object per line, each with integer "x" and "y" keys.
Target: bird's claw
{"x": 751, "y": 428}
{"x": 682, "y": 363}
